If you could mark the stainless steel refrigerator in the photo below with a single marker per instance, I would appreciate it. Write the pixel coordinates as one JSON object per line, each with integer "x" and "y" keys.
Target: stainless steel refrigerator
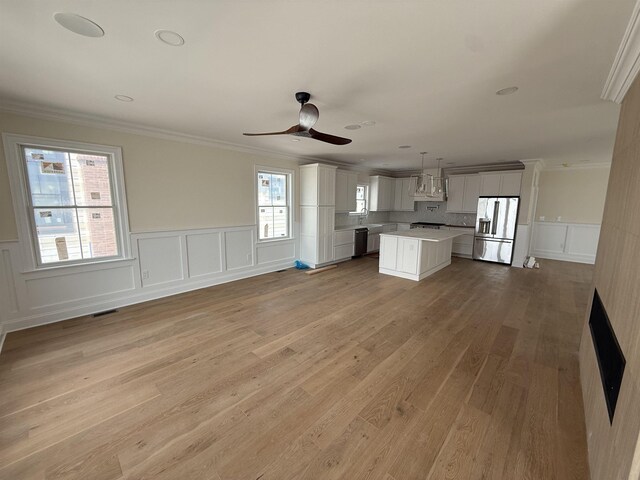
{"x": 495, "y": 235}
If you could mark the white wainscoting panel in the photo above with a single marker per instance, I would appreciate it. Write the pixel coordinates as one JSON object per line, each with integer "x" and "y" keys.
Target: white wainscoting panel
{"x": 77, "y": 287}
{"x": 205, "y": 253}
{"x": 176, "y": 262}
{"x": 8, "y": 295}
{"x": 572, "y": 242}
{"x": 583, "y": 240}
{"x": 160, "y": 259}
{"x": 239, "y": 248}
{"x": 270, "y": 252}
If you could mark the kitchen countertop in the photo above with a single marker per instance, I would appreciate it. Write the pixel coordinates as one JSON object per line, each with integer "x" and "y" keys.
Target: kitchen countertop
{"x": 368, "y": 225}
{"x": 426, "y": 234}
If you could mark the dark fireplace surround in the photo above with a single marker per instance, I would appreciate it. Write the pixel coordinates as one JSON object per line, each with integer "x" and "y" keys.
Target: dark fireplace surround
{"x": 611, "y": 360}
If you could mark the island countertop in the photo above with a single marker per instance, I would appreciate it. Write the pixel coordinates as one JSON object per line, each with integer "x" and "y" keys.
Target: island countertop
{"x": 426, "y": 234}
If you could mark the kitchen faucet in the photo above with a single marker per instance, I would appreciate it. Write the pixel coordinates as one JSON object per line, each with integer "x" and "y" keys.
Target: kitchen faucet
{"x": 364, "y": 213}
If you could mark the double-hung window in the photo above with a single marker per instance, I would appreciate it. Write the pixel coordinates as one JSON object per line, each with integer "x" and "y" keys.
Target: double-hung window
{"x": 274, "y": 204}
{"x": 69, "y": 200}
{"x": 362, "y": 196}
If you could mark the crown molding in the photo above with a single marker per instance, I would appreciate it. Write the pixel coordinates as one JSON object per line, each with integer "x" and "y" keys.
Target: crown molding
{"x": 577, "y": 166}
{"x": 627, "y": 62}
{"x": 87, "y": 120}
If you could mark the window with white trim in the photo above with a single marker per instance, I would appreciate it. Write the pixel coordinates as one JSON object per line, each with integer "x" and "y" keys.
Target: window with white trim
{"x": 69, "y": 199}
{"x": 274, "y": 204}
{"x": 362, "y": 197}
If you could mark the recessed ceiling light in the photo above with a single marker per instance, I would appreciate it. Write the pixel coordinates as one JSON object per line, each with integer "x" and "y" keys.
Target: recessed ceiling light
{"x": 79, "y": 25}
{"x": 451, "y": 163}
{"x": 124, "y": 98}
{"x": 507, "y": 91}
{"x": 169, "y": 37}
{"x": 404, "y": 146}
{"x": 368, "y": 123}
{"x": 355, "y": 126}
{"x": 295, "y": 139}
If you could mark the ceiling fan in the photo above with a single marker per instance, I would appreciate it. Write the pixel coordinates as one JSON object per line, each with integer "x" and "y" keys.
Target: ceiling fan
{"x": 308, "y": 117}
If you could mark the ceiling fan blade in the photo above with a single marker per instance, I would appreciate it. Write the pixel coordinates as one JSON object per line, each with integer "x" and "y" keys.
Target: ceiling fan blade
{"x": 325, "y": 137}
{"x": 309, "y": 115}
{"x": 294, "y": 129}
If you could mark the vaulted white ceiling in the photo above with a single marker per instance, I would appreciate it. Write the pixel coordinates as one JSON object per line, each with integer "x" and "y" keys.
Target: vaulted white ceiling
{"x": 425, "y": 71}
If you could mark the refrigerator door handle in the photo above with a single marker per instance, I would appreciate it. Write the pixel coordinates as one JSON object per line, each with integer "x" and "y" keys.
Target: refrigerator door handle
{"x": 496, "y": 210}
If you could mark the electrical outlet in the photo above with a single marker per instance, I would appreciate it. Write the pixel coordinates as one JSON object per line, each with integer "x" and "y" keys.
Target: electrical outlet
{"x": 145, "y": 274}
{"x": 248, "y": 257}
{"x": 542, "y": 218}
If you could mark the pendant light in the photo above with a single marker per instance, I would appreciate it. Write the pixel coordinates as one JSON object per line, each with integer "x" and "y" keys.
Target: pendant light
{"x": 427, "y": 185}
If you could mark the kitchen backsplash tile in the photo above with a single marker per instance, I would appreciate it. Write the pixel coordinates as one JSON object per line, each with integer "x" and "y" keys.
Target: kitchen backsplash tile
{"x": 435, "y": 212}
{"x": 343, "y": 219}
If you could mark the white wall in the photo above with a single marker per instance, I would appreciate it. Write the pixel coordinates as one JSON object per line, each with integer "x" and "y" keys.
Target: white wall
{"x": 192, "y": 215}
{"x": 576, "y": 195}
{"x": 170, "y": 184}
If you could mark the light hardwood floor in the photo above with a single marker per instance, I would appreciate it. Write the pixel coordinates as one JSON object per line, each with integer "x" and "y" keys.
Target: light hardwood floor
{"x": 469, "y": 374}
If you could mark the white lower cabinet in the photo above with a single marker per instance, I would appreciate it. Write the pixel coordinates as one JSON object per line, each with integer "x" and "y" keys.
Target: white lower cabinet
{"x": 408, "y": 255}
{"x": 399, "y": 254}
{"x": 316, "y": 234}
{"x": 343, "y": 244}
{"x": 462, "y": 245}
{"x": 373, "y": 242}
{"x": 388, "y": 252}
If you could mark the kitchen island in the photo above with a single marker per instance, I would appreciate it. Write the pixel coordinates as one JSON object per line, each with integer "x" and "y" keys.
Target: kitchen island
{"x": 415, "y": 254}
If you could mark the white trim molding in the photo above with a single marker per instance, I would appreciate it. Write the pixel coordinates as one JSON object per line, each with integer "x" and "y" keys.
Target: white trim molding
{"x": 627, "y": 62}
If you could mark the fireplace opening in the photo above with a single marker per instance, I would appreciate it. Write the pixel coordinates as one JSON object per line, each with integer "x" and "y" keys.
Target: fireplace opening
{"x": 611, "y": 361}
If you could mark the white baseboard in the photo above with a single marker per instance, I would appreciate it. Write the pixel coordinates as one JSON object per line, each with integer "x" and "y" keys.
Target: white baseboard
{"x": 565, "y": 257}
{"x": 137, "y": 296}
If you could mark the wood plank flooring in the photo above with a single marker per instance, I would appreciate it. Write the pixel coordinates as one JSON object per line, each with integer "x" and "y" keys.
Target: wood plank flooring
{"x": 469, "y": 374}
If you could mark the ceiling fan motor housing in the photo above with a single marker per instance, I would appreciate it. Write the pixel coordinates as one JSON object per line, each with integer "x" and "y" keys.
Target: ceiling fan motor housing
{"x": 303, "y": 97}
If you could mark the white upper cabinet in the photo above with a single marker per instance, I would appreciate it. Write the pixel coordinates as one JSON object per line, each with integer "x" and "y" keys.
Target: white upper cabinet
{"x": 455, "y": 195}
{"x": 381, "y": 193}
{"x": 346, "y": 184}
{"x": 511, "y": 184}
{"x": 490, "y": 184}
{"x": 402, "y": 200}
{"x": 318, "y": 184}
{"x": 471, "y": 193}
{"x": 463, "y": 193}
{"x": 504, "y": 184}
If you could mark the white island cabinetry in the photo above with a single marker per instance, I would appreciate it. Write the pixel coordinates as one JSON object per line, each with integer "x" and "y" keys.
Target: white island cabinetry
{"x": 415, "y": 254}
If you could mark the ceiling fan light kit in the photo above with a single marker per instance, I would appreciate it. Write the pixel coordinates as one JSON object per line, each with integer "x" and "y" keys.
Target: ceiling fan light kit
{"x": 308, "y": 117}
